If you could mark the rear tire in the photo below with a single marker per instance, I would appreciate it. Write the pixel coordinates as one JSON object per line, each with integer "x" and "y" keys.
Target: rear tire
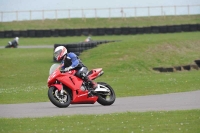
{"x": 53, "y": 98}
{"x": 106, "y": 99}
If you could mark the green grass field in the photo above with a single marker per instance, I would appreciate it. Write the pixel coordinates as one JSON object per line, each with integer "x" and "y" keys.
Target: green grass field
{"x": 100, "y": 22}
{"x": 128, "y": 69}
{"x": 127, "y": 122}
{"x": 127, "y": 64}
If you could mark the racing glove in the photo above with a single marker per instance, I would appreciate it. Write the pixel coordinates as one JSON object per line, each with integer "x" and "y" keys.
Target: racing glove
{"x": 68, "y": 68}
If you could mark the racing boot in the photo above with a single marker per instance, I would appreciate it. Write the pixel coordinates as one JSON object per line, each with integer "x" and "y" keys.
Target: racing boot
{"x": 93, "y": 87}
{"x": 91, "y": 83}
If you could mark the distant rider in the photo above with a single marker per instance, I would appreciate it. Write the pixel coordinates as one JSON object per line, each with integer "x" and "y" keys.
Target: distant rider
{"x": 88, "y": 39}
{"x": 71, "y": 61}
{"x": 14, "y": 43}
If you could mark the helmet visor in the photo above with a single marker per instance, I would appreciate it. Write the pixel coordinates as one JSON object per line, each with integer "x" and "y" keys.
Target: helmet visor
{"x": 57, "y": 54}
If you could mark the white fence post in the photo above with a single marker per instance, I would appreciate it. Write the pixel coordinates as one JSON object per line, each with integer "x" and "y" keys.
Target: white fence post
{"x": 17, "y": 15}
{"x": 82, "y": 14}
{"x": 109, "y": 13}
{"x": 1, "y": 16}
{"x": 122, "y": 12}
{"x": 69, "y": 14}
{"x": 135, "y": 11}
{"x": 56, "y": 15}
{"x": 175, "y": 10}
{"x": 95, "y": 13}
{"x": 42, "y": 15}
{"x": 30, "y": 15}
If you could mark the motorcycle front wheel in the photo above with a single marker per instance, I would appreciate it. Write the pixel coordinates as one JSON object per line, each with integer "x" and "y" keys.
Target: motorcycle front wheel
{"x": 7, "y": 46}
{"x": 106, "y": 99}
{"x": 60, "y": 100}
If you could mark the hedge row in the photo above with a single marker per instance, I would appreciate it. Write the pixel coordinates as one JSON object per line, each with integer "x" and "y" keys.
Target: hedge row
{"x": 101, "y": 31}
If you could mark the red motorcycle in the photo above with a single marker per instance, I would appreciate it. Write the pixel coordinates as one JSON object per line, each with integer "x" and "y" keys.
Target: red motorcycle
{"x": 65, "y": 88}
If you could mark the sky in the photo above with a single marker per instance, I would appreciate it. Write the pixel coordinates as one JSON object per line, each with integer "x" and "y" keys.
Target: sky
{"x": 24, "y": 5}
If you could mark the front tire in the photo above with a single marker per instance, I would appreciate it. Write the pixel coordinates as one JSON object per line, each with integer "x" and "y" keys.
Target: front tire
{"x": 61, "y": 101}
{"x": 104, "y": 99}
{"x": 7, "y": 46}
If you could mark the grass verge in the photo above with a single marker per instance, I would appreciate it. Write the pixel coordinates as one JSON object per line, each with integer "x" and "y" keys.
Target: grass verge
{"x": 128, "y": 122}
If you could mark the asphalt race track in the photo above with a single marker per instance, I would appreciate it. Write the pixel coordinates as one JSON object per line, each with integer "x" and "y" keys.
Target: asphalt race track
{"x": 36, "y": 46}
{"x": 164, "y": 102}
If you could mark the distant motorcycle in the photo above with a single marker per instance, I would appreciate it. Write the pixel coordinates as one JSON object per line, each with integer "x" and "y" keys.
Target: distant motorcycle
{"x": 13, "y": 43}
{"x": 88, "y": 39}
{"x": 10, "y": 45}
{"x": 65, "y": 88}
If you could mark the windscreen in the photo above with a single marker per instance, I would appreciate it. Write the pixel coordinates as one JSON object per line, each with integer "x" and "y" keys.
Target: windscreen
{"x": 53, "y": 68}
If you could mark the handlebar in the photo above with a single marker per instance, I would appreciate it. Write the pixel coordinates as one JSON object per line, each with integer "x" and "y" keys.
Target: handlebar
{"x": 63, "y": 71}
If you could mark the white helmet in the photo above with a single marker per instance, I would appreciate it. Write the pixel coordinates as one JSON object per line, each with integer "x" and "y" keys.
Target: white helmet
{"x": 16, "y": 38}
{"x": 59, "y": 52}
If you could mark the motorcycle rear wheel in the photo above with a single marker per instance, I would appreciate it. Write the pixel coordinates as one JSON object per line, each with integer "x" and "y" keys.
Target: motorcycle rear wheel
{"x": 106, "y": 99}
{"x": 53, "y": 98}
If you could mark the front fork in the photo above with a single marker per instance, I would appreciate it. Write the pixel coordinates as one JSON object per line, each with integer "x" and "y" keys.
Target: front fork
{"x": 59, "y": 93}
{"x": 59, "y": 88}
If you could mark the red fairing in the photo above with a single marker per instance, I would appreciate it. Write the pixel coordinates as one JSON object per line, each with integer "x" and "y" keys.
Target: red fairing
{"x": 70, "y": 81}
{"x": 81, "y": 97}
{"x": 58, "y": 86}
{"x": 52, "y": 78}
{"x": 58, "y": 80}
{"x": 95, "y": 73}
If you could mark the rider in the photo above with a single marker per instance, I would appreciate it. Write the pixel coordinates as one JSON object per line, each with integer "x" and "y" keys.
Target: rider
{"x": 71, "y": 61}
{"x": 14, "y": 42}
{"x": 88, "y": 39}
